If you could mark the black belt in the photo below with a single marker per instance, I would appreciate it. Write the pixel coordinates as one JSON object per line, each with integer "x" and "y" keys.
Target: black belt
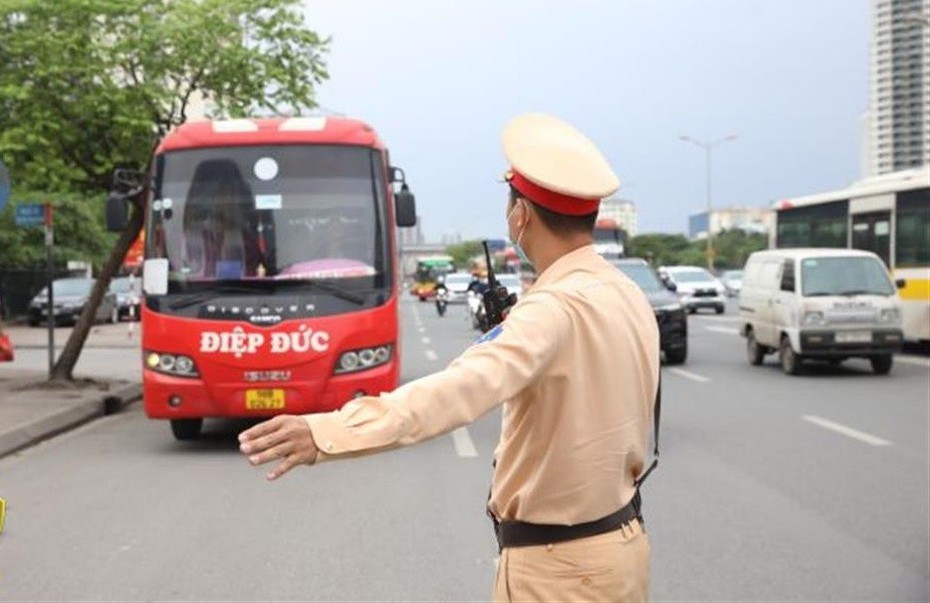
{"x": 522, "y": 533}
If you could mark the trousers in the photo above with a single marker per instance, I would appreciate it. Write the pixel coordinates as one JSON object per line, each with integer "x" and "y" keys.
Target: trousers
{"x": 608, "y": 567}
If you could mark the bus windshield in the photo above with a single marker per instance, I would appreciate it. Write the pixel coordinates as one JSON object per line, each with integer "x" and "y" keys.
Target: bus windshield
{"x": 431, "y": 269}
{"x": 844, "y": 276}
{"x": 265, "y": 214}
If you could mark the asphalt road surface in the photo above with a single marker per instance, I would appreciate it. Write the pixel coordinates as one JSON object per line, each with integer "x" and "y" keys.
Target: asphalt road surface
{"x": 770, "y": 487}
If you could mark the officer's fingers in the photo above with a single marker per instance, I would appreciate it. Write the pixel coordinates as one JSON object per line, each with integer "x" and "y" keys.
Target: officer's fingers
{"x": 262, "y": 429}
{"x": 284, "y": 466}
{"x": 263, "y": 443}
{"x": 277, "y": 452}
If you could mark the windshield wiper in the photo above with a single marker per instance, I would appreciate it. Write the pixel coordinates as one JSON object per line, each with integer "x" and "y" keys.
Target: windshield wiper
{"x": 820, "y": 293}
{"x": 214, "y": 291}
{"x": 861, "y": 292}
{"x": 334, "y": 290}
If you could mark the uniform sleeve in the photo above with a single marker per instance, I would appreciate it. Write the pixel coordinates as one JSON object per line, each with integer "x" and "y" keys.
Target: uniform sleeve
{"x": 494, "y": 369}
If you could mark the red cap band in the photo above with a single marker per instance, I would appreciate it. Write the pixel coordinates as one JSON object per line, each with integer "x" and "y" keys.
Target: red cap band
{"x": 557, "y": 202}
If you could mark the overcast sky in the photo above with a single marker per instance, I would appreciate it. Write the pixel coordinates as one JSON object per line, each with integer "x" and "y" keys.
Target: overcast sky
{"x": 438, "y": 79}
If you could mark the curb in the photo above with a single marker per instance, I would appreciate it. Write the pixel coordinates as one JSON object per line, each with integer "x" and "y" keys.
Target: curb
{"x": 49, "y": 426}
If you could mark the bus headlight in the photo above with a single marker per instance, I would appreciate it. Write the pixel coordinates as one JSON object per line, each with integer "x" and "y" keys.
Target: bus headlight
{"x": 363, "y": 359}
{"x": 176, "y": 365}
{"x": 812, "y": 319}
{"x": 890, "y": 315}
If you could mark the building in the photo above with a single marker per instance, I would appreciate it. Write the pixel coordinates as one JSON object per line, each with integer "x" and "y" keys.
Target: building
{"x": 748, "y": 219}
{"x": 899, "y": 94}
{"x": 623, "y": 211}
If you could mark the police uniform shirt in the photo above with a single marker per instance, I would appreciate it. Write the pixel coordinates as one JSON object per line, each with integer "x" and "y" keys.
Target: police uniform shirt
{"x": 575, "y": 365}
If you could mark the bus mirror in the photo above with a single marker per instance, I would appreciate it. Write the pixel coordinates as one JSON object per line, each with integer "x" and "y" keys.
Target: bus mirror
{"x": 155, "y": 276}
{"x": 671, "y": 286}
{"x": 900, "y": 283}
{"x": 405, "y": 207}
{"x": 117, "y": 211}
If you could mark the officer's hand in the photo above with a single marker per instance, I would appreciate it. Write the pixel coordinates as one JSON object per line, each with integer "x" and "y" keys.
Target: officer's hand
{"x": 285, "y": 437}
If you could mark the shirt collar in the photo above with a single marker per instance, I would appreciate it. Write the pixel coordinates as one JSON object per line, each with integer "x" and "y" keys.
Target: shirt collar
{"x": 583, "y": 257}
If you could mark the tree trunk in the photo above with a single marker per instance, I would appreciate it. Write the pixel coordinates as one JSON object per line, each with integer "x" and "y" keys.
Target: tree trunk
{"x": 64, "y": 366}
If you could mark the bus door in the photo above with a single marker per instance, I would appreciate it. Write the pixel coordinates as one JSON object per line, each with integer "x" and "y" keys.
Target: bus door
{"x": 872, "y": 232}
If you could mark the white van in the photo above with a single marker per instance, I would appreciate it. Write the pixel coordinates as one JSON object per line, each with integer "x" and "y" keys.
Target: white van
{"x": 824, "y": 304}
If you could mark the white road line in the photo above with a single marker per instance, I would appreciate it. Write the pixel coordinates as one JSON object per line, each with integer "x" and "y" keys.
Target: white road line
{"x": 421, "y": 329}
{"x": 689, "y": 375}
{"x": 425, "y": 340}
{"x": 846, "y": 431}
{"x": 925, "y": 362}
{"x": 431, "y": 355}
{"x": 464, "y": 446}
{"x": 718, "y": 317}
{"x": 727, "y": 330}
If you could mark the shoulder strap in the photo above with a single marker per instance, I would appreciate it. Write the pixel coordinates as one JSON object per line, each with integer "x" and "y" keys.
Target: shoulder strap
{"x": 655, "y": 420}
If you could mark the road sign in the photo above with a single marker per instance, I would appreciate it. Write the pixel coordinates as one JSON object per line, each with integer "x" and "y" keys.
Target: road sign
{"x": 30, "y": 214}
{"x": 4, "y": 185}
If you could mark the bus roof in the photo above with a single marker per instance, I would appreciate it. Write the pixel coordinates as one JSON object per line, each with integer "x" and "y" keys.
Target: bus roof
{"x": 877, "y": 185}
{"x": 436, "y": 259}
{"x": 816, "y": 252}
{"x": 270, "y": 131}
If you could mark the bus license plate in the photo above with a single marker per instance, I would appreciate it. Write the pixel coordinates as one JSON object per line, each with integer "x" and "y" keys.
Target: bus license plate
{"x": 264, "y": 399}
{"x": 854, "y": 337}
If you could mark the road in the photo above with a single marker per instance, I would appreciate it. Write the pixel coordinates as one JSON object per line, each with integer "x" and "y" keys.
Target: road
{"x": 770, "y": 487}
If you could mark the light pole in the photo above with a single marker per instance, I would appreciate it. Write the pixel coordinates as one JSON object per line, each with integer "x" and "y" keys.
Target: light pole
{"x": 708, "y": 146}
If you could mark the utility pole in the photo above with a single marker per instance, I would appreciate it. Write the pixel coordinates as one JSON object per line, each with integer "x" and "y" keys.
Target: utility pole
{"x": 708, "y": 147}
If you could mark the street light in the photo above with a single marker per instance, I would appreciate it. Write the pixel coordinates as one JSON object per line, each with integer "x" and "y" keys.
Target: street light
{"x": 708, "y": 147}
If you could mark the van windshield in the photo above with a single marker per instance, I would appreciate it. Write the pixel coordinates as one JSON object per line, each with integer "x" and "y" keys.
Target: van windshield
{"x": 844, "y": 276}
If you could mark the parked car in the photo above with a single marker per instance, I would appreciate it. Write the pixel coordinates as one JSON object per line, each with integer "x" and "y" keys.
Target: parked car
{"x": 826, "y": 304}
{"x": 128, "y": 296}
{"x": 671, "y": 314}
{"x": 697, "y": 288}
{"x": 733, "y": 281}
{"x": 69, "y": 297}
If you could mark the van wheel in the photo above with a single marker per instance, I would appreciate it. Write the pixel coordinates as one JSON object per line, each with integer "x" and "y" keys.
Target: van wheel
{"x": 790, "y": 361}
{"x": 186, "y": 429}
{"x": 677, "y": 356}
{"x": 754, "y": 352}
{"x": 881, "y": 363}
{"x": 720, "y": 309}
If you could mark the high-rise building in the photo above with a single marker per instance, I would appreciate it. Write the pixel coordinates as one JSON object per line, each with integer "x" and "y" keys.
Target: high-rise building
{"x": 899, "y": 96}
{"x": 748, "y": 219}
{"x": 623, "y": 211}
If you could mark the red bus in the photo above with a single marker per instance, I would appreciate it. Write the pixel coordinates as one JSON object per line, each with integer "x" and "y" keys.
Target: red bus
{"x": 271, "y": 270}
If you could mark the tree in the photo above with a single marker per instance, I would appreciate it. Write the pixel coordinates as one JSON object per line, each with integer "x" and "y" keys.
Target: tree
{"x": 463, "y": 253}
{"x": 87, "y": 86}
{"x": 658, "y": 248}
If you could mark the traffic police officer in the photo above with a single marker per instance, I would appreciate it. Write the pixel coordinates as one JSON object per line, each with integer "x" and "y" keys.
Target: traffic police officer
{"x": 575, "y": 365}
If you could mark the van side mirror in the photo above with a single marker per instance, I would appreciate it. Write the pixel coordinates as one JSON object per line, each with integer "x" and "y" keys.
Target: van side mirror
{"x": 900, "y": 283}
{"x": 405, "y": 207}
{"x": 117, "y": 211}
{"x": 671, "y": 286}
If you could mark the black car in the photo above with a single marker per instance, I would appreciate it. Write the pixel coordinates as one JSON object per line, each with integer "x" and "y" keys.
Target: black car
{"x": 670, "y": 314}
{"x": 69, "y": 297}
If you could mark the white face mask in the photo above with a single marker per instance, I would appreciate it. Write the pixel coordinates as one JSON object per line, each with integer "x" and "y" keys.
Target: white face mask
{"x": 516, "y": 242}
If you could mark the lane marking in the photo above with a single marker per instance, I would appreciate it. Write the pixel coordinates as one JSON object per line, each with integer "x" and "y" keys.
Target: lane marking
{"x": 464, "y": 446}
{"x": 430, "y": 355}
{"x": 924, "y": 362}
{"x": 727, "y": 330}
{"x": 846, "y": 431}
{"x": 723, "y": 318}
{"x": 421, "y": 329}
{"x": 425, "y": 340}
{"x": 688, "y": 375}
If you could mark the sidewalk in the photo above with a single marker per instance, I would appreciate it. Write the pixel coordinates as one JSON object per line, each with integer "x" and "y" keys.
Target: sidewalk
{"x": 32, "y": 410}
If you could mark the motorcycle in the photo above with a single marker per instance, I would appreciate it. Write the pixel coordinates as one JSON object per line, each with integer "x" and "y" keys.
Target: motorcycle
{"x": 477, "y": 312}
{"x": 442, "y": 300}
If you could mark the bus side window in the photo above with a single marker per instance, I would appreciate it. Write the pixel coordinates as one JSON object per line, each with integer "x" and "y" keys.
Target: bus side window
{"x": 787, "y": 276}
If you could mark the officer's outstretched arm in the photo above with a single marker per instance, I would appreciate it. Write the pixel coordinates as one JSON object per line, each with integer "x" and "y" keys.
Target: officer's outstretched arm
{"x": 497, "y": 367}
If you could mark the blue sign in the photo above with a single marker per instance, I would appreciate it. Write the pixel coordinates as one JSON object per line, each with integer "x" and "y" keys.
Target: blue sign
{"x": 4, "y": 185}
{"x": 30, "y": 214}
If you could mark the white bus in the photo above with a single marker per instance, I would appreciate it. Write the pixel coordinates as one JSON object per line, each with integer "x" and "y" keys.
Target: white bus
{"x": 888, "y": 215}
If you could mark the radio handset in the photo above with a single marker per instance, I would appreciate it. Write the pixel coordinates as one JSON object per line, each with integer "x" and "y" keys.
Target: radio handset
{"x": 496, "y": 299}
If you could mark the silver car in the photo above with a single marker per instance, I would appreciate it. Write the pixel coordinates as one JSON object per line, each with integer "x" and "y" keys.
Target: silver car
{"x": 697, "y": 288}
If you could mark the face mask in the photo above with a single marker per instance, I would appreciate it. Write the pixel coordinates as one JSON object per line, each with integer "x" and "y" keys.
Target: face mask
{"x": 516, "y": 245}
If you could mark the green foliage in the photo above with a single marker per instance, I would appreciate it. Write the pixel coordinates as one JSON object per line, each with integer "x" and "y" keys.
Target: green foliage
{"x": 462, "y": 253}
{"x": 79, "y": 233}
{"x": 732, "y": 248}
{"x": 90, "y": 85}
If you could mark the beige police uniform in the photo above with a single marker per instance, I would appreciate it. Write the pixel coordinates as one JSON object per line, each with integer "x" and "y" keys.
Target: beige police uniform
{"x": 575, "y": 365}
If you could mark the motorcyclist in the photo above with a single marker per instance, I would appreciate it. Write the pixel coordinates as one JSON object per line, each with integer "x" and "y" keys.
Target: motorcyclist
{"x": 477, "y": 285}
{"x": 442, "y": 295}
